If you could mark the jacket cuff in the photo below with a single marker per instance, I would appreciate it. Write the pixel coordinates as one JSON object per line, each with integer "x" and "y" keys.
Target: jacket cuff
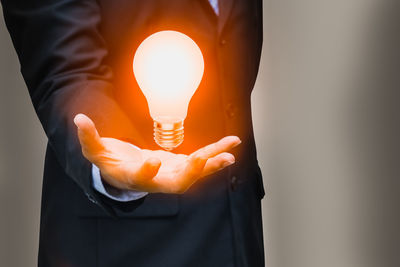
{"x": 112, "y": 192}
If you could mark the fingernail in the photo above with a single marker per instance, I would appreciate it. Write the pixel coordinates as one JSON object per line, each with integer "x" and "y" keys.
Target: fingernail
{"x": 77, "y": 126}
{"x": 238, "y": 141}
{"x": 228, "y": 163}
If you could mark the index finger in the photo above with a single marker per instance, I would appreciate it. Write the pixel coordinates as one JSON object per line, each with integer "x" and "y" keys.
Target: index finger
{"x": 223, "y": 145}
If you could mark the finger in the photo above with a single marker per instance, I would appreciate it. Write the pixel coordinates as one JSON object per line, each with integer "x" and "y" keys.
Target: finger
{"x": 150, "y": 168}
{"x": 223, "y": 145}
{"x": 88, "y": 135}
{"x": 193, "y": 171}
{"x": 218, "y": 163}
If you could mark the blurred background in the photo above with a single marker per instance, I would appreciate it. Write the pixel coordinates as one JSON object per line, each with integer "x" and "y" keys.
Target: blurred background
{"x": 326, "y": 115}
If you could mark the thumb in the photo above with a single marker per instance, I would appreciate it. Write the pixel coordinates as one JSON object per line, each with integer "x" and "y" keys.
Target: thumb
{"x": 88, "y": 136}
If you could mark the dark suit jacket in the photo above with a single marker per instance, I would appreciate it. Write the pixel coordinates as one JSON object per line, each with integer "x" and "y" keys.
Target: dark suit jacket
{"x": 76, "y": 57}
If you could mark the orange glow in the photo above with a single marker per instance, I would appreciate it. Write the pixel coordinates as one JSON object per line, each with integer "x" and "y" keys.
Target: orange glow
{"x": 168, "y": 67}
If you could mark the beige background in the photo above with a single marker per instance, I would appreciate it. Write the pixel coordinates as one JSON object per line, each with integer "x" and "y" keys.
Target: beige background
{"x": 326, "y": 121}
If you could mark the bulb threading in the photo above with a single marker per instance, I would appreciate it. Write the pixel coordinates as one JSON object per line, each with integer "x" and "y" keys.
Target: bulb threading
{"x": 168, "y": 135}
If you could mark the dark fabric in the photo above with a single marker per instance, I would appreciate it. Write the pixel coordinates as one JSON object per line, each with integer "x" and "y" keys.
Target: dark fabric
{"x": 76, "y": 56}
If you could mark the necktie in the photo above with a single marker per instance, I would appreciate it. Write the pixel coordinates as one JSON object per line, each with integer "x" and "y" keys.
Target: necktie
{"x": 214, "y": 5}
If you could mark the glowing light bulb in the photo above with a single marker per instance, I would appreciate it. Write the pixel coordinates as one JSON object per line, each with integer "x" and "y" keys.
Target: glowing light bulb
{"x": 168, "y": 67}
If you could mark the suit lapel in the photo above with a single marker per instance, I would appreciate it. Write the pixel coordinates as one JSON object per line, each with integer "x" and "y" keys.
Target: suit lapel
{"x": 225, "y": 8}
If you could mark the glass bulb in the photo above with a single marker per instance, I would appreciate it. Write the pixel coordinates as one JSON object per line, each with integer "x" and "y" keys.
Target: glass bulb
{"x": 168, "y": 67}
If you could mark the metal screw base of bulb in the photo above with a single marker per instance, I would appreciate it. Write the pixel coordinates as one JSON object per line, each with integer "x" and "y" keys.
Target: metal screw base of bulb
{"x": 168, "y": 135}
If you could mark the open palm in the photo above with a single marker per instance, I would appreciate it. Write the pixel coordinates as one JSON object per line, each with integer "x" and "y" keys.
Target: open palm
{"x": 125, "y": 166}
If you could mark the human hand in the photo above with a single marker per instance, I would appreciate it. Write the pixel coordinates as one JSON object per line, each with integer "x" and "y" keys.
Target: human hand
{"x": 125, "y": 166}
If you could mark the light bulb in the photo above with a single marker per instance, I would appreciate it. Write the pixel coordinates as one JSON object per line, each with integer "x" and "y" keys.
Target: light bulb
{"x": 168, "y": 67}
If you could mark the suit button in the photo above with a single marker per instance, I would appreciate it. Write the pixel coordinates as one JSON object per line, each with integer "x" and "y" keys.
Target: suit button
{"x": 222, "y": 42}
{"x": 230, "y": 111}
{"x": 234, "y": 182}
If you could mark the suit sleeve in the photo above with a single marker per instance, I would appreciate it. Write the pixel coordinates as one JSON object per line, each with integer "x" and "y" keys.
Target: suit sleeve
{"x": 61, "y": 53}
{"x": 111, "y": 192}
